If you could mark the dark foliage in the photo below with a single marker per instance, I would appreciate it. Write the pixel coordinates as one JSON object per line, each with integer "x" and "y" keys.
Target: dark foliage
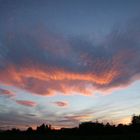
{"x": 85, "y": 129}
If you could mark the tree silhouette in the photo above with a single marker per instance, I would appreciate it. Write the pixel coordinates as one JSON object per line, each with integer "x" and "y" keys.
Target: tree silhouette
{"x": 29, "y": 130}
{"x": 135, "y": 123}
{"x": 43, "y": 128}
{"x": 84, "y": 129}
{"x": 136, "y": 120}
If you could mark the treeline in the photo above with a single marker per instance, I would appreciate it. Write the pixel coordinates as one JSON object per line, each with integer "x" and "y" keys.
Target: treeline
{"x": 85, "y": 128}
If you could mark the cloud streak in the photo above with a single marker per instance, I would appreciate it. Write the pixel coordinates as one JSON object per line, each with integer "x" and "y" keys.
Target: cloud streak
{"x": 6, "y": 93}
{"x": 26, "y": 103}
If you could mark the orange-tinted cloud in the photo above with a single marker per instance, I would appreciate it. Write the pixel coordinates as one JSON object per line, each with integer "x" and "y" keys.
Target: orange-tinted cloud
{"x": 61, "y": 103}
{"x": 46, "y": 82}
{"x": 125, "y": 120}
{"x": 26, "y": 103}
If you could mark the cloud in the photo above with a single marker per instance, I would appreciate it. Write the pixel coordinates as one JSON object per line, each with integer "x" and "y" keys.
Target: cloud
{"x": 45, "y": 64}
{"x": 12, "y": 119}
{"x": 6, "y": 93}
{"x": 61, "y": 103}
{"x": 26, "y": 103}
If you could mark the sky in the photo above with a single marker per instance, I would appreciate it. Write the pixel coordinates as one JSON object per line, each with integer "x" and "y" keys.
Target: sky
{"x": 63, "y": 62}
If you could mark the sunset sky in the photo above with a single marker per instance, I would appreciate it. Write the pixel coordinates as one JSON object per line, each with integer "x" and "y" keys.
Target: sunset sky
{"x": 63, "y": 62}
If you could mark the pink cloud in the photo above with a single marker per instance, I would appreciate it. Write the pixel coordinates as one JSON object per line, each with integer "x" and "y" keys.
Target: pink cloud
{"x": 61, "y": 103}
{"x": 26, "y": 103}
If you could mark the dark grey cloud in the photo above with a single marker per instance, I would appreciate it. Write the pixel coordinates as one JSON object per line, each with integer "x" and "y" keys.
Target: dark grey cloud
{"x": 14, "y": 119}
{"x": 41, "y": 62}
{"x": 6, "y": 93}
